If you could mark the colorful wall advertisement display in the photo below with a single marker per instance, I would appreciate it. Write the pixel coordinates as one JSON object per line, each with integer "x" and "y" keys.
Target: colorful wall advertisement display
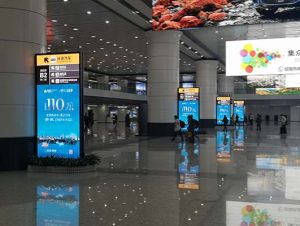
{"x": 59, "y": 108}
{"x": 188, "y": 104}
{"x": 223, "y": 146}
{"x": 189, "y": 168}
{"x": 263, "y": 57}
{"x": 183, "y": 14}
{"x": 256, "y": 214}
{"x": 57, "y": 205}
{"x": 223, "y": 108}
{"x": 239, "y": 109}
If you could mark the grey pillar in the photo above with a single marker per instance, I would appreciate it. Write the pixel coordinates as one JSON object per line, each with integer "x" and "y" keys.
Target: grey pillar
{"x": 225, "y": 84}
{"x": 163, "y": 81}
{"x": 23, "y": 33}
{"x": 206, "y": 79}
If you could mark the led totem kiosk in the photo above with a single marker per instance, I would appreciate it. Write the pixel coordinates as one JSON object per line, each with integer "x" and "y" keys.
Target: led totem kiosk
{"x": 188, "y": 104}
{"x": 223, "y": 108}
{"x": 59, "y": 96}
{"x": 239, "y": 109}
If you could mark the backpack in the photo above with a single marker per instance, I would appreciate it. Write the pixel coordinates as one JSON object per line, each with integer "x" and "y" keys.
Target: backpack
{"x": 182, "y": 123}
{"x": 196, "y": 123}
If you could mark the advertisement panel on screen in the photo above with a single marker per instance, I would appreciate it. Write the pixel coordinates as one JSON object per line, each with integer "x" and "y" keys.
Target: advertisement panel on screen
{"x": 59, "y": 108}
{"x": 188, "y": 104}
{"x": 263, "y": 57}
{"x": 57, "y": 205}
{"x": 223, "y": 108}
{"x": 183, "y": 14}
{"x": 239, "y": 109}
{"x": 249, "y": 213}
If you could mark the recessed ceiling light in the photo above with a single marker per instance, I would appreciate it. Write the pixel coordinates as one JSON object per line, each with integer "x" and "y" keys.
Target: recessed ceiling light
{"x": 107, "y": 42}
{"x": 101, "y": 48}
{"x": 107, "y": 21}
{"x": 65, "y": 25}
{"x": 88, "y": 12}
{"x": 222, "y": 38}
{"x": 136, "y": 37}
{"x": 121, "y": 47}
{"x": 106, "y": 55}
{"x": 75, "y": 29}
{"x": 80, "y": 47}
{"x": 181, "y": 43}
{"x": 90, "y": 65}
{"x": 93, "y": 36}
{"x": 64, "y": 41}
{"x": 66, "y": 0}
{"x": 94, "y": 51}
{"x": 54, "y": 21}
{"x": 88, "y": 43}
{"x": 124, "y": 56}
{"x": 71, "y": 37}
{"x": 114, "y": 53}
{"x": 66, "y": 50}
{"x": 115, "y": 44}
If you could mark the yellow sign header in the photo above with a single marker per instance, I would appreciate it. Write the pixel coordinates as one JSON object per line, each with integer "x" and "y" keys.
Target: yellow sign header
{"x": 189, "y": 90}
{"x": 239, "y": 102}
{"x": 223, "y": 98}
{"x": 189, "y": 186}
{"x": 57, "y": 59}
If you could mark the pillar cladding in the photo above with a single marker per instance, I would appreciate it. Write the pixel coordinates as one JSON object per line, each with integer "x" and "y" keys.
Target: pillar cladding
{"x": 206, "y": 79}
{"x": 163, "y": 81}
{"x": 225, "y": 84}
{"x": 23, "y": 33}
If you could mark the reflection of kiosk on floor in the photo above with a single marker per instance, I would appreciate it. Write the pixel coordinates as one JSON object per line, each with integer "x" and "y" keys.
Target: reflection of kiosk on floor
{"x": 223, "y": 108}
{"x": 239, "y": 109}
{"x": 188, "y": 104}
{"x": 223, "y": 146}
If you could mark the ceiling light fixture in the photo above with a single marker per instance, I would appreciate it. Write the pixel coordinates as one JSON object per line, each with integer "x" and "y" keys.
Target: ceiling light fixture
{"x": 75, "y": 29}
{"x": 107, "y": 21}
{"x": 88, "y": 12}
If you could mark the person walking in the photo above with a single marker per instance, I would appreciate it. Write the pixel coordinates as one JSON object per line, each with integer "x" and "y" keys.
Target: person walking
{"x": 258, "y": 122}
{"x": 177, "y": 129}
{"x": 225, "y": 123}
{"x": 237, "y": 118}
{"x": 251, "y": 119}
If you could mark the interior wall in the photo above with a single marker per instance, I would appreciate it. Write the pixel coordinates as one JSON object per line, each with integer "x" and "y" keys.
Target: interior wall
{"x": 295, "y": 113}
{"x": 269, "y": 110}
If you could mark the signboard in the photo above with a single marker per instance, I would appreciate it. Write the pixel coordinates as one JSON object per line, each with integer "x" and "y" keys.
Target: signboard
{"x": 188, "y": 104}
{"x": 249, "y": 213}
{"x": 223, "y": 146}
{"x": 263, "y": 57}
{"x": 57, "y": 205}
{"x": 239, "y": 109}
{"x": 59, "y": 105}
{"x": 223, "y": 108}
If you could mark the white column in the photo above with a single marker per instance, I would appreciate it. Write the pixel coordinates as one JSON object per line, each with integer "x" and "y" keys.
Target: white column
{"x": 225, "y": 84}
{"x": 206, "y": 79}
{"x": 163, "y": 79}
{"x": 23, "y": 34}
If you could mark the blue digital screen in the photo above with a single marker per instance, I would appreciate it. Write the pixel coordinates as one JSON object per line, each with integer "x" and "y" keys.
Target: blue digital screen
{"x": 221, "y": 111}
{"x": 223, "y": 144}
{"x": 57, "y": 205}
{"x": 58, "y": 118}
{"x": 240, "y": 111}
{"x": 186, "y": 108}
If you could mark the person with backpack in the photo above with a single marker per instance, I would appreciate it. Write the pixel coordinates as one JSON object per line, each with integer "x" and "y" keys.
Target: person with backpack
{"x": 177, "y": 128}
{"x": 225, "y": 123}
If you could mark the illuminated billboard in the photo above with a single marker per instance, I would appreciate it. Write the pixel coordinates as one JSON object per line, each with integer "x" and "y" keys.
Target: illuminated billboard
{"x": 239, "y": 109}
{"x": 188, "y": 104}
{"x": 59, "y": 107}
{"x": 184, "y": 14}
{"x": 263, "y": 57}
{"x": 223, "y": 108}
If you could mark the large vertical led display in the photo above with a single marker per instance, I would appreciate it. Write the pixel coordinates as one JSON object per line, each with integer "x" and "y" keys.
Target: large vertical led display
{"x": 59, "y": 108}
{"x": 239, "y": 109}
{"x": 57, "y": 205}
{"x": 223, "y": 108}
{"x": 188, "y": 104}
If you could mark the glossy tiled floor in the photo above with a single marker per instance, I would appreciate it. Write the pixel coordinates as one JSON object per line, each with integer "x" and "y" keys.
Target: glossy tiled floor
{"x": 240, "y": 178}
